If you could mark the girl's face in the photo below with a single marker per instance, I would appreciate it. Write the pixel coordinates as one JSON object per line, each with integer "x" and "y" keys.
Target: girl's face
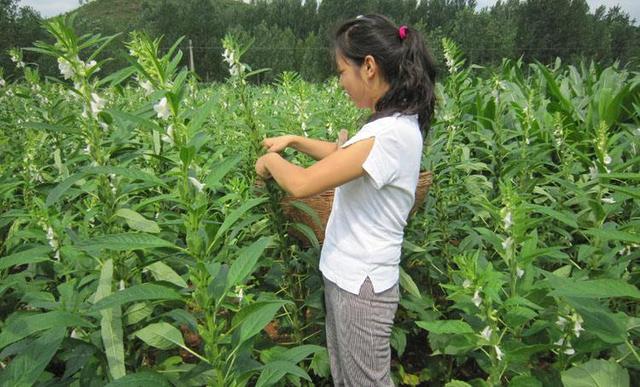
{"x": 352, "y": 80}
{"x": 363, "y": 83}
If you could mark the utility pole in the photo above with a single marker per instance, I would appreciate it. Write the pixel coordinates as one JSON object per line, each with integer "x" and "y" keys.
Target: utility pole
{"x": 191, "y": 65}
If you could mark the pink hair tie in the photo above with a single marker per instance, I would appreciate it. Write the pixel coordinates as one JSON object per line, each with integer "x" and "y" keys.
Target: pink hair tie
{"x": 402, "y": 31}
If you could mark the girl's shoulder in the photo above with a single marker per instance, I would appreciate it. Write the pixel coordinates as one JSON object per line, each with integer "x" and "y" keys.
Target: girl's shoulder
{"x": 393, "y": 121}
{"x": 395, "y": 128}
{"x": 394, "y": 125}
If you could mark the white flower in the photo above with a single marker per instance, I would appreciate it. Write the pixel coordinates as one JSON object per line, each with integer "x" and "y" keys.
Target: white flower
{"x": 87, "y": 149}
{"x": 477, "y": 300}
{"x": 507, "y": 243}
{"x": 168, "y": 138}
{"x": 560, "y": 342}
{"x": 508, "y": 220}
{"x": 162, "y": 108}
{"x": 91, "y": 64}
{"x": 237, "y": 69}
{"x": 147, "y": 86}
{"x": 97, "y": 104}
{"x": 2, "y": 82}
{"x": 66, "y": 69}
{"x": 608, "y": 200}
{"x": 199, "y": 186}
{"x": 577, "y": 327}
{"x": 20, "y": 64}
{"x": 52, "y": 238}
{"x": 519, "y": 272}
{"x": 638, "y": 132}
{"x": 229, "y": 57}
{"x": 499, "y": 353}
{"x": 561, "y": 322}
{"x": 607, "y": 159}
{"x": 527, "y": 141}
{"x": 240, "y": 293}
{"x": 569, "y": 351}
{"x": 121, "y": 285}
{"x": 466, "y": 283}
{"x": 486, "y": 333}
{"x": 593, "y": 172}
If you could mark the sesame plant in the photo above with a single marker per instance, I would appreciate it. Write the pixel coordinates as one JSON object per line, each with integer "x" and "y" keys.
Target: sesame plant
{"x": 531, "y": 255}
{"x": 137, "y": 247}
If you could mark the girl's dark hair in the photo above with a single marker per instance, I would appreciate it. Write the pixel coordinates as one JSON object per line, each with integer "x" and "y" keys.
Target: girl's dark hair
{"x": 405, "y": 64}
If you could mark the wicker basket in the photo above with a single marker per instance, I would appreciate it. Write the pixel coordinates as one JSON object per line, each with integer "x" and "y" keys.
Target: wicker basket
{"x": 322, "y": 203}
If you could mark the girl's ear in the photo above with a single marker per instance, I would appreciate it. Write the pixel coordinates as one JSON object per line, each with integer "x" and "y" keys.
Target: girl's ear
{"x": 370, "y": 66}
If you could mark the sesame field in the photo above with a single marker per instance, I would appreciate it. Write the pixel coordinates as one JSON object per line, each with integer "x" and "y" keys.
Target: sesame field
{"x": 137, "y": 247}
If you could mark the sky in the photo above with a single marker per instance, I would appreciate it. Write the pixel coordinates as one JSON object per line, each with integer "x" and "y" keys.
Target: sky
{"x": 54, "y": 7}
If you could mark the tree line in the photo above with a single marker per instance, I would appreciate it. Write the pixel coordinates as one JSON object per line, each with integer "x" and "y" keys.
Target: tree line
{"x": 296, "y": 34}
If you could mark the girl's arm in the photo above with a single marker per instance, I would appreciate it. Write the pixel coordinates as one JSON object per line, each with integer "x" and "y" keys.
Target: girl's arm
{"x": 317, "y": 149}
{"x": 339, "y": 167}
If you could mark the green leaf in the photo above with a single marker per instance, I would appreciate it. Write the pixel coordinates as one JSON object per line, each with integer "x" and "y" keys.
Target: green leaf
{"x": 632, "y": 192}
{"x": 525, "y": 381}
{"x": 56, "y": 193}
{"x": 25, "y": 369}
{"x": 274, "y": 371}
{"x": 297, "y": 354}
{"x": 398, "y": 340}
{"x": 163, "y": 272}
{"x": 34, "y": 255}
{"x": 22, "y": 325}
{"x": 124, "y": 242}
{"x": 457, "y": 383}
{"x": 445, "y": 326}
{"x": 568, "y": 218}
{"x": 50, "y": 127}
{"x": 307, "y": 232}
{"x": 245, "y": 264}
{"x": 141, "y": 379}
{"x": 201, "y": 116}
{"x": 220, "y": 170}
{"x": 596, "y": 373}
{"x": 620, "y": 176}
{"x": 320, "y": 363}
{"x": 310, "y": 212}
{"x": 599, "y": 288}
{"x": 143, "y": 292}
{"x": 111, "y": 324}
{"x": 406, "y": 282}
{"x": 613, "y": 235}
{"x": 137, "y": 221}
{"x": 258, "y": 319}
{"x": 598, "y": 320}
{"x": 133, "y": 174}
{"x": 161, "y": 335}
{"x": 137, "y": 312}
{"x": 235, "y": 215}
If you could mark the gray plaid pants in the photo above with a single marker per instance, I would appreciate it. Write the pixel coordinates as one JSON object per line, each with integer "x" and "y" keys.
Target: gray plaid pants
{"x": 358, "y": 331}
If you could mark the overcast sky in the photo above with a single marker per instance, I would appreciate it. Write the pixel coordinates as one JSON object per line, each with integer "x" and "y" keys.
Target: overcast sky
{"x": 54, "y": 7}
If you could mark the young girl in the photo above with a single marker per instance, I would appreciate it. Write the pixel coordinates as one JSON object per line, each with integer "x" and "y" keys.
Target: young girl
{"x": 387, "y": 69}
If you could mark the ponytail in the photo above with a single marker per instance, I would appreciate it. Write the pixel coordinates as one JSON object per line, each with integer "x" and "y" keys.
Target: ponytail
{"x": 404, "y": 60}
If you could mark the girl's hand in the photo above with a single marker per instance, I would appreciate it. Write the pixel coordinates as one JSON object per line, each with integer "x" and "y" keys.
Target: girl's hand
{"x": 277, "y": 144}
{"x": 261, "y": 168}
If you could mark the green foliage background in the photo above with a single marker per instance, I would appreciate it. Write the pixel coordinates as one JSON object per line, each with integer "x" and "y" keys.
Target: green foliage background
{"x": 295, "y": 35}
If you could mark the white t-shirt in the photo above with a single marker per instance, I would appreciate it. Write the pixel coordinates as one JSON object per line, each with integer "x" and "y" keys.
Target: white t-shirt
{"x": 366, "y": 226}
